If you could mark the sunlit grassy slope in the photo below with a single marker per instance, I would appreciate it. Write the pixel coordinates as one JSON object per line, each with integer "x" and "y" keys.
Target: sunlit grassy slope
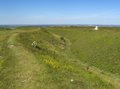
{"x": 97, "y": 48}
{"x": 61, "y": 59}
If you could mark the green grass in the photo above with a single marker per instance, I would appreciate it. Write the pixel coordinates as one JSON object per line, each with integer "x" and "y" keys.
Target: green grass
{"x": 96, "y": 48}
{"x": 56, "y": 59}
{"x": 3, "y": 47}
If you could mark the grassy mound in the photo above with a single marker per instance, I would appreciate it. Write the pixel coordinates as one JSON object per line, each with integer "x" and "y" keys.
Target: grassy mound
{"x": 54, "y": 52}
{"x": 96, "y": 48}
{"x": 40, "y": 59}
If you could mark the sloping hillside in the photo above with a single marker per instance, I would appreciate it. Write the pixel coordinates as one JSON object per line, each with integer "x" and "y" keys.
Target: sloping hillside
{"x": 36, "y": 58}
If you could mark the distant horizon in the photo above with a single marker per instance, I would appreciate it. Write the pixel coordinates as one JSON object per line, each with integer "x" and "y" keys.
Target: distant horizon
{"x": 59, "y": 24}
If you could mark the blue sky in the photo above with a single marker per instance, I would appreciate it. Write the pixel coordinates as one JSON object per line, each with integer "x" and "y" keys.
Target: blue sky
{"x": 60, "y": 12}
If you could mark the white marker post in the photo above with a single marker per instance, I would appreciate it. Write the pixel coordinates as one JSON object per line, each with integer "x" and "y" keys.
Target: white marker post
{"x": 96, "y": 28}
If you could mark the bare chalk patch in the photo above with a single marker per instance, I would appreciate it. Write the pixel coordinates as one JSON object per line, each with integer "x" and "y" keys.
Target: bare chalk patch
{"x": 34, "y": 44}
{"x": 71, "y": 80}
{"x": 1, "y": 57}
{"x": 11, "y": 46}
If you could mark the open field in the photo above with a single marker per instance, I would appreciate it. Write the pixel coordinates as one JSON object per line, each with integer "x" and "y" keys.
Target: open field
{"x": 96, "y": 48}
{"x": 60, "y": 58}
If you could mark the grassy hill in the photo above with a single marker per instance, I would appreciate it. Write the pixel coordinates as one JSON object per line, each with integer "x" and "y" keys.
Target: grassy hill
{"x": 97, "y": 48}
{"x": 59, "y": 58}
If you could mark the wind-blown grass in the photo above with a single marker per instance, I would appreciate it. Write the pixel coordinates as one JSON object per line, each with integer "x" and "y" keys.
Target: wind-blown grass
{"x": 96, "y": 48}
{"x": 51, "y": 64}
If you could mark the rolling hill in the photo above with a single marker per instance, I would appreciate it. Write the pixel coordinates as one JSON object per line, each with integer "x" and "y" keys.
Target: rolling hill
{"x": 59, "y": 58}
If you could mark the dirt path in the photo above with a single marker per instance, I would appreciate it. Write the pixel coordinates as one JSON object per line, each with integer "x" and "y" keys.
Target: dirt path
{"x": 21, "y": 68}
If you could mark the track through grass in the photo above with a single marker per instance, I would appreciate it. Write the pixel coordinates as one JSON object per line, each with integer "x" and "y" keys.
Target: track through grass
{"x": 49, "y": 66}
{"x": 20, "y": 70}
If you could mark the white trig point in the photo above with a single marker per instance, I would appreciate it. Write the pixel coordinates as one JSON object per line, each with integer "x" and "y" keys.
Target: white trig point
{"x": 96, "y": 28}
